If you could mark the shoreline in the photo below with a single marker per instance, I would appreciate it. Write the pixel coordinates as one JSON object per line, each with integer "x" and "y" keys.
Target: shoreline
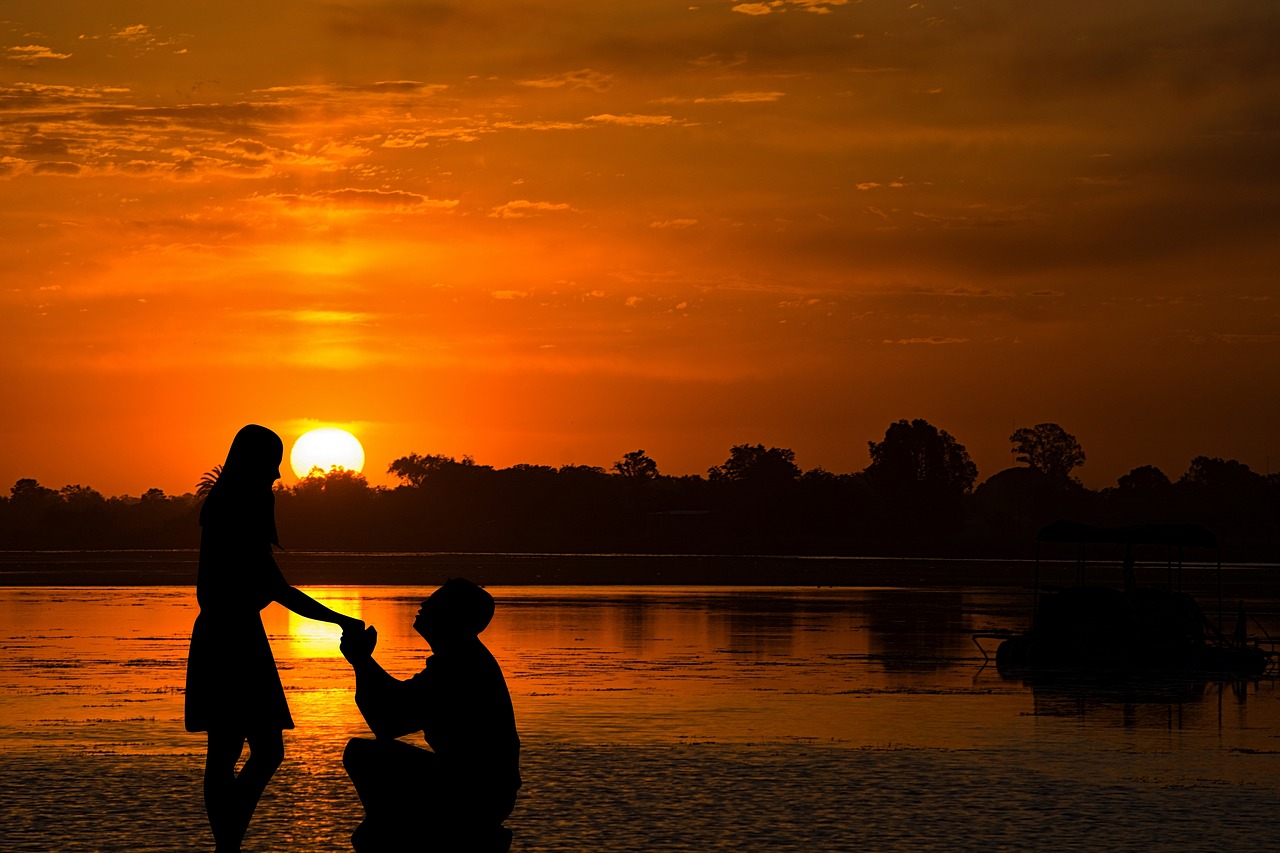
{"x": 327, "y": 568}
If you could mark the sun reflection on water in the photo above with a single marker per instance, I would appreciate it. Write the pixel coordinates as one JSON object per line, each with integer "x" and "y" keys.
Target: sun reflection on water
{"x": 295, "y": 636}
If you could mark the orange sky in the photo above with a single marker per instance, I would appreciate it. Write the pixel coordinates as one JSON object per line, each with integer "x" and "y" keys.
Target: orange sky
{"x": 555, "y": 232}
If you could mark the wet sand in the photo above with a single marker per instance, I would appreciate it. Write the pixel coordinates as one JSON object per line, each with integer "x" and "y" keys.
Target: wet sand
{"x": 691, "y": 798}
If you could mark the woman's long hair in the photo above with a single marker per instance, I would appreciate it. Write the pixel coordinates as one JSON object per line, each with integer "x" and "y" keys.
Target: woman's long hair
{"x": 242, "y": 499}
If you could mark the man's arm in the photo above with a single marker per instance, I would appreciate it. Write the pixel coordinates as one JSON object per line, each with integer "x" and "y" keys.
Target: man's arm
{"x": 383, "y": 699}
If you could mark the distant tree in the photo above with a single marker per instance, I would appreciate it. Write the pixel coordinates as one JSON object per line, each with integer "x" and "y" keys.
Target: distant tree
{"x": 589, "y": 472}
{"x": 207, "y": 481}
{"x": 1144, "y": 478}
{"x": 921, "y": 459}
{"x": 527, "y": 468}
{"x": 337, "y": 480}
{"x": 1018, "y": 501}
{"x": 29, "y": 491}
{"x": 1049, "y": 449}
{"x": 415, "y": 469}
{"x": 81, "y": 496}
{"x": 151, "y": 495}
{"x": 919, "y": 475}
{"x": 636, "y": 467}
{"x": 1143, "y": 496}
{"x": 755, "y": 464}
{"x": 1232, "y": 498}
{"x": 1212, "y": 473}
{"x": 820, "y": 475}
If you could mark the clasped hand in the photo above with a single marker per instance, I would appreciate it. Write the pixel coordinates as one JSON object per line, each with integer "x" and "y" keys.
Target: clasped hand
{"x": 358, "y": 643}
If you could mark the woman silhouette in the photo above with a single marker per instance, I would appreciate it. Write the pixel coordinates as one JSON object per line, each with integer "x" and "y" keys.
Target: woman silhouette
{"x": 233, "y": 689}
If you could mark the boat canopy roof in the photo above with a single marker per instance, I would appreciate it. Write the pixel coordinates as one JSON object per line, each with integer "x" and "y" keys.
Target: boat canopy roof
{"x": 1135, "y": 534}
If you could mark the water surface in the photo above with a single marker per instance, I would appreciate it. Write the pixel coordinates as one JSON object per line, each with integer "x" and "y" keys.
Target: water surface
{"x": 654, "y": 718}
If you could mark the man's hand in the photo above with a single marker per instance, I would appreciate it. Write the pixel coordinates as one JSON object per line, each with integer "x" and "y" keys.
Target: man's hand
{"x": 357, "y": 646}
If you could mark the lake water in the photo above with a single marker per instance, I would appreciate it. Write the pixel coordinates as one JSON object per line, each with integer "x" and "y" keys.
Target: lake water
{"x": 653, "y": 719}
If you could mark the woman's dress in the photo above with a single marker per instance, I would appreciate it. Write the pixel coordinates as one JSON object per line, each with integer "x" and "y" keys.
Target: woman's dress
{"x": 232, "y": 682}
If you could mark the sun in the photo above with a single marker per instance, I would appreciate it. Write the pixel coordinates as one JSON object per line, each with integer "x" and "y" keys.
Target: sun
{"x": 326, "y": 448}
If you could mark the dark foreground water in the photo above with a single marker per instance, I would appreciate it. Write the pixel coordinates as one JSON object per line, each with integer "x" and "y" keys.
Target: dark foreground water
{"x": 655, "y": 719}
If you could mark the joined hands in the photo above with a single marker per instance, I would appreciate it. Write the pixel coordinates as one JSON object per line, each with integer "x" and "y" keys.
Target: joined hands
{"x": 358, "y": 641}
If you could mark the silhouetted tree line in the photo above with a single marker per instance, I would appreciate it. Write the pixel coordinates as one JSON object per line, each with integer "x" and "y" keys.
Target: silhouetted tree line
{"x": 916, "y": 497}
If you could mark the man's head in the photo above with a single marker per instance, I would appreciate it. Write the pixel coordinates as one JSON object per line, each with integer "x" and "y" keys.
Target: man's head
{"x": 457, "y": 610}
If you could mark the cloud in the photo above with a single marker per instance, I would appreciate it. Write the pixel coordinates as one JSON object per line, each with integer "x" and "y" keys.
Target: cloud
{"x": 1241, "y": 338}
{"x": 731, "y": 98}
{"x": 104, "y": 130}
{"x": 44, "y": 96}
{"x": 582, "y": 79}
{"x": 673, "y": 223}
{"x": 817, "y": 7}
{"x": 326, "y": 155}
{"x": 981, "y": 218}
{"x": 932, "y": 340}
{"x": 56, "y": 169}
{"x": 29, "y": 53}
{"x": 137, "y": 33}
{"x": 141, "y": 37}
{"x": 382, "y": 87}
{"x": 537, "y": 125}
{"x": 632, "y": 120}
{"x": 820, "y": 7}
{"x": 522, "y": 208}
{"x": 361, "y": 200}
{"x": 509, "y": 294}
{"x": 403, "y": 138}
{"x": 876, "y": 185}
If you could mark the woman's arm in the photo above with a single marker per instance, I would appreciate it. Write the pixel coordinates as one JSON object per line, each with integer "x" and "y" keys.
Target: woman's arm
{"x": 304, "y": 605}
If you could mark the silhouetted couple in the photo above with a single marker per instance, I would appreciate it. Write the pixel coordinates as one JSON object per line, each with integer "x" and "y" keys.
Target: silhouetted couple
{"x": 453, "y": 798}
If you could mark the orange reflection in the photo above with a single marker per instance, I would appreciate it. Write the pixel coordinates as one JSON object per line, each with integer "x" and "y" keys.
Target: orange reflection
{"x": 102, "y": 668}
{"x": 308, "y": 638}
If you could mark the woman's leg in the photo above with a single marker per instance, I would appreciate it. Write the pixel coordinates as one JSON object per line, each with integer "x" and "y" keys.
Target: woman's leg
{"x": 221, "y": 797}
{"x": 266, "y": 752}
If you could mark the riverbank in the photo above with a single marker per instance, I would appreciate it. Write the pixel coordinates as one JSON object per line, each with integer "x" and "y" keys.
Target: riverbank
{"x": 329, "y": 568}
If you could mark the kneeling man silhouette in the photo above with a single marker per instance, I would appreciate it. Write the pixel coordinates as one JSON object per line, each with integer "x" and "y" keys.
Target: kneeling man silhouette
{"x": 455, "y": 796}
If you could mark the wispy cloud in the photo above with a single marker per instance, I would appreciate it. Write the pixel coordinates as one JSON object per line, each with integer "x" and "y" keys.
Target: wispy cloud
{"x": 27, "y": 54}
{"x": 141, "y": 37}
{"x": 522, "y": 208}
{"x": 632, "y": 120}
{"x": 979, "y": 218}
{"x": 932, "y": 340}
{"x": 69, "y": 169}
{"x": 757, "y": 8}
{"x": 817, "y": 7}
{"x": 582, "y": 79}
{"x": 353, "y": 199}
{"x": 383, "y": 87}
{"x": 730, "y": 98}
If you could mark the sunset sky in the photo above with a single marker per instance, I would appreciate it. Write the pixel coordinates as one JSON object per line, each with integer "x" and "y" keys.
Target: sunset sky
{"x": 555, "y": 232}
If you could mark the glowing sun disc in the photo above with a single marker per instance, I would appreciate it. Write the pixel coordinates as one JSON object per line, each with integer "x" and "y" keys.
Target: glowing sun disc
{"x": 326, "y": 448}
